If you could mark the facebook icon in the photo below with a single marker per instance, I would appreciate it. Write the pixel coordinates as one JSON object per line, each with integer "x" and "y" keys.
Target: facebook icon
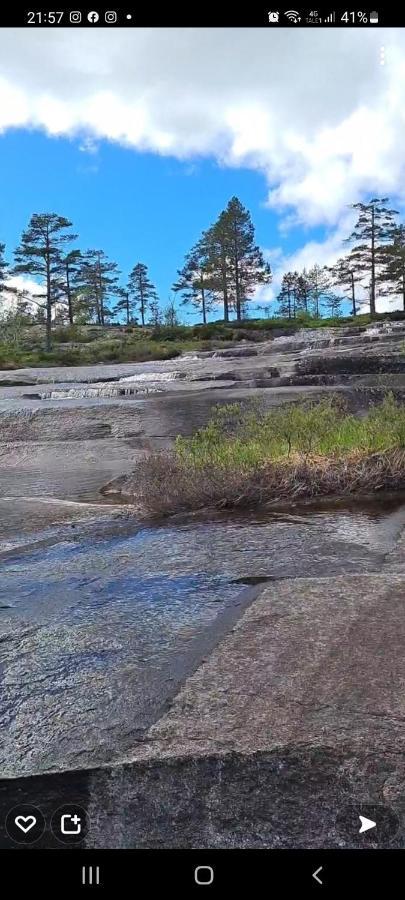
{"x": 93, "y": 17}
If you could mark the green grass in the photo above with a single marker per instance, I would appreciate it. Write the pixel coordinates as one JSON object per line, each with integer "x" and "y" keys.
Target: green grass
{"x": 87, "y": 344}
{"x": 245, "y": 437}
{"x": 99, "y": 352}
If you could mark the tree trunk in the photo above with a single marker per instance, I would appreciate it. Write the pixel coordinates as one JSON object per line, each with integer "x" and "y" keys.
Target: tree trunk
{"x": 98, "y": 309}
{"x": 142, "y": 302}
{"x": 100, "y": 294}
{"x": 237, "y": 281}
{"x": 203, "y": 300}
{"x": 48, "y": 295}
{"x": 354, "y": 310}
{"x": 127, "y": 306}
{"x": 69, "y": 295}
{"x": 372, "y": 285}
{"x": 224, "y": 287}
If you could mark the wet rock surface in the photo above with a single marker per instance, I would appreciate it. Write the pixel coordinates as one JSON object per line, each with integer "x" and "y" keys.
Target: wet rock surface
{"x": 109, "y": 621}
{"x": 177, "y": 711}
{"x": 296, "y": 717}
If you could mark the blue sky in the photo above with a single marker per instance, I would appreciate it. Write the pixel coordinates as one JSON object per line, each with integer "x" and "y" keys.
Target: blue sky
{"x": 172, "y": 123}
{"x": 136, "y": 206}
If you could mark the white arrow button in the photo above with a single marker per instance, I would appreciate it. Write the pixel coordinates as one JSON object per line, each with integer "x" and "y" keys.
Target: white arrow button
{"x": 315, "y": 875}
{"x": 366, "y": 824}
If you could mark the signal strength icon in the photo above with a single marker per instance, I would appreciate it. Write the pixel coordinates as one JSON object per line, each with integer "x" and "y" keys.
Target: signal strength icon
{"x": 293, "y": 16}
{"x": 331, "y": 19}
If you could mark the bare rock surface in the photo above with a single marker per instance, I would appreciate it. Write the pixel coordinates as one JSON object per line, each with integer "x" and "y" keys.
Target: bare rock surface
{"x": 294, "y": 711}
{"x": 312, "y": 661}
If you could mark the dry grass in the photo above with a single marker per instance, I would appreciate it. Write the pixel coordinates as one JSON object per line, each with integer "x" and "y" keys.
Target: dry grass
{"x": 163, "y": 485}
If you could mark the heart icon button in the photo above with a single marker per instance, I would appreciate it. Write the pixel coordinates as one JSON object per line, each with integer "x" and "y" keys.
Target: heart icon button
{"x": 25, "y": 823}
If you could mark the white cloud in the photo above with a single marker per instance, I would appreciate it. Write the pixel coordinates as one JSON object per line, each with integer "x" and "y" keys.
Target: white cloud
{"x": 23, "y": 287}
{"x": 312, "y": 109}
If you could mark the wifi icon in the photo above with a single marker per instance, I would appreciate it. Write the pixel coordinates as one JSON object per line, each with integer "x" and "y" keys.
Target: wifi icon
{"x": 293, "y": 16}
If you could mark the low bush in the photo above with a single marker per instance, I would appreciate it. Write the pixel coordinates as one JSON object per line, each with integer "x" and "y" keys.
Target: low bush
{"x": 164, "y": 486}
{"x": 69, "y": 334}
{"x": 247, "y": 456}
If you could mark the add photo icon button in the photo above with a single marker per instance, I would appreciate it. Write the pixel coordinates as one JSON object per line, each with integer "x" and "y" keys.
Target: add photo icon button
{"x": 70, "y": 824}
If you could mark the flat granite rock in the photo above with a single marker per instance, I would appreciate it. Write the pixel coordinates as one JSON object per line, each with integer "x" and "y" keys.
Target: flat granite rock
{"x": 295, "y": 717}
{"x": 313, "y": 661}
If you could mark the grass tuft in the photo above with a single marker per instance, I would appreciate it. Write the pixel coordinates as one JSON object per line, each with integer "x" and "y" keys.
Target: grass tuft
{"x": 247, "y": 456}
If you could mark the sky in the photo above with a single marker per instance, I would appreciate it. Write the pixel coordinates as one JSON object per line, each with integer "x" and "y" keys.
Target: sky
{"x": 141, "y": 137}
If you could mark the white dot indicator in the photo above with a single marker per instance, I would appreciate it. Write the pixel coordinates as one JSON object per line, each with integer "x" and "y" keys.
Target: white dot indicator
{"x": 129, "y": 16}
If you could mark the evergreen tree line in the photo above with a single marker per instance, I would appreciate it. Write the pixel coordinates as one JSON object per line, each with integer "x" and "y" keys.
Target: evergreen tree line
{"x": 224, "y": 268}
{"x": 375, "y": 261}
{"x": 79, "y": 287}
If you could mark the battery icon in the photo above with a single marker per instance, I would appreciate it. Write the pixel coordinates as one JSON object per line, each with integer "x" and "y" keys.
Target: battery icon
{"x": 374, "y": 18}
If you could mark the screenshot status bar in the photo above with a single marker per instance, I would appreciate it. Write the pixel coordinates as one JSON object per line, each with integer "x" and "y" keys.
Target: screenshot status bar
{"x": 256, "y": 17}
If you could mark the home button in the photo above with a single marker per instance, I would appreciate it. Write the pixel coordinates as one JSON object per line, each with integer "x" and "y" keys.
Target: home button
{"x": 204, "y": 875}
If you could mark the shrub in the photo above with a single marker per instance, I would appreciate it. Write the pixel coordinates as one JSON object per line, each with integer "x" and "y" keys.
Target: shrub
{"x": 247, "y": 456}
{"x": 67, "y": 334}
{"x": 170, "y": 333}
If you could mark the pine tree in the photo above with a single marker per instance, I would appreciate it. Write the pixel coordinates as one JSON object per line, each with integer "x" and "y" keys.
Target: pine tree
{"x": 248, "y": 268}
{"x": 40, "y": 253}
{"x": 374, "y": 228}
{"x": 333, "y": 305}
{"x": 155, "y": 313}
{"x": 303, "y": 292}
{"x": 99, "y": 279}
{"x": 344, "y": 274}
{"x": 69, "y": 283}
{"x": 124, "y": 305}
{"x": 287, "y": 297}
{"x": 219, "y": 262}
{"x": 394, "y": 267}
{"x": 195, "y": 280}
{"x": 319, "y": 287}
{"x": 3, "y": 269}
{"x": 141, "y": 290}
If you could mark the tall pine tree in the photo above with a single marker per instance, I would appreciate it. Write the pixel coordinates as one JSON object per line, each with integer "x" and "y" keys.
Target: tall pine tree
{"x": 319, "y": 288}
{"x": 70, "y": 281}
{"x": 248, "y": 268}
{"x": 195, "y": 280}
{"x": 287, "y": 298}
{"x": 219, "y": 262}
{"x": 99, "y": 278}
{"x": 303, "y": 292}
{"x": 374, "y": 229}
{"x": 40, "y": 253}
{"x": 141, "y": 289}
{"x": 394, "y": 265}
{"x": 3, "y": 269}
{"x": 236, "y": 263}
{"x": 344, "y": 274}
{"x": 125, "y": 305}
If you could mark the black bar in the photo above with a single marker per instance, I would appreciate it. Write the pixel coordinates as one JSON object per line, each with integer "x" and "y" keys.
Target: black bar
{"x": 232, "y": 870}
{"x": 198, "y": 15}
